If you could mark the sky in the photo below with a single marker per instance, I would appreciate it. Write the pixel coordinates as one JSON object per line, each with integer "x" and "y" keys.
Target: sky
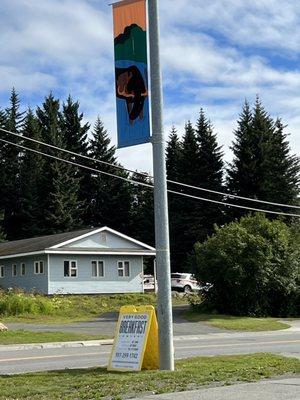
{"x": 215, "y": 54}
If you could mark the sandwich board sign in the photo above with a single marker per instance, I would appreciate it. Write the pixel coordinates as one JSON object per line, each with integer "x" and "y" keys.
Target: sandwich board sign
{"x": 136, "y": 340}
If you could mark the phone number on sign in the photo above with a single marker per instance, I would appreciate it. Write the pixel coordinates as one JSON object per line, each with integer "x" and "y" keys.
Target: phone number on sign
{"x": 127, "y": 355}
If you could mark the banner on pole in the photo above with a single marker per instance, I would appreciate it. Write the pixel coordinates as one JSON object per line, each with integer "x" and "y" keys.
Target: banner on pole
{"x": 131, "y": 72}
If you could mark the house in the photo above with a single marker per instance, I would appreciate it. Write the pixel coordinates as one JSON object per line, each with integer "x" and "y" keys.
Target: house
{"x": 83, "y": 262}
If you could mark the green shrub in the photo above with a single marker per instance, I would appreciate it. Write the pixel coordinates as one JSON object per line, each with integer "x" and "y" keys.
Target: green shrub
{"x": 18, "y": 303}
{"x": 254, "y": 267}
{"x": 14, "y": 303}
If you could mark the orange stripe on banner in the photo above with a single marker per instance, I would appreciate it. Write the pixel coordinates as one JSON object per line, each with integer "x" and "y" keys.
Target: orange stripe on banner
{"x": 129, "y": 12}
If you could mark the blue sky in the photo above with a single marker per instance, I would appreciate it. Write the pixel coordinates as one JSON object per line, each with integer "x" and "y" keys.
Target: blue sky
{"x": 214, "y": 55}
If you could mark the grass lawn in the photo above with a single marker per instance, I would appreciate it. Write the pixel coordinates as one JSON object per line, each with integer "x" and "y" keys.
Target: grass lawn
{"x": 237, "y": 323}
{"x": 190, "y": 374}
{"x": 21, "y": 307}
{"x": 21, "y": 336}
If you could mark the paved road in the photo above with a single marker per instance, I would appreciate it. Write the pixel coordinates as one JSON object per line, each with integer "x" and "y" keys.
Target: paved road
{"x": 107, "y": 323}
{"x": 282, "y": 342}
{"x": 279, "y": 389}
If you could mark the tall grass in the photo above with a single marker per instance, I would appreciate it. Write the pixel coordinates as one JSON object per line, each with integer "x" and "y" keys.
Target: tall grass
{"x": 16, "y": 303}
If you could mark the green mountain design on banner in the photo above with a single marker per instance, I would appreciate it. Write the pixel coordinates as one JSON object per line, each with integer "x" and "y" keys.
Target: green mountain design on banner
{"x": 131, "y": 45}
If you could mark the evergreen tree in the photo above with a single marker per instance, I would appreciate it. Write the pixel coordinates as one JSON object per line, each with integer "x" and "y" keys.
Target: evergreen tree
{"x": 32, "y": 164}
{"x": 142, "y": 211}
{"x": 2, "y": 235}
{"x": 282, "y": 171}
{"x": 184, "y": 230}
{"x": 75, "y": 131}
{"x": 196, "y": 161}
{"x": 59, "y": 188}
{"x": 188, "y": 172}
{"x": 109, "y": 200}
{"x": 240, "y": 171}
{"x": 210, "y": 164}
{"x": 2, "y": 160}
{"x": 10, "y": 168}
{"x": 210, "y": 176}
{"x": 262, "y": 167}
{"x": 173, "y": 164}
{"x": 173, "y": 155}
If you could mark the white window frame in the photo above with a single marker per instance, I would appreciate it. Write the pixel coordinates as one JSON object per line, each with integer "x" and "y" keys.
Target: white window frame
{"x": 21, "y": 269}
{"x": 38, "y": 264}
{"x": 14, "y": 270}
{"x": 2, "y": 271}
{"x": 71, "y": 269}
{"x": 97, "y": 276}
{"x": 123, "y": 268}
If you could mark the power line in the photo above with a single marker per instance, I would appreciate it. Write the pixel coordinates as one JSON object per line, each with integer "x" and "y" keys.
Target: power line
{"x": 149, "y": 176}
{"x": 74, "y": 154}
{"x": 76, "y": 164}
{"x": 233, "y": 195}
{"x": 146, "y": 184}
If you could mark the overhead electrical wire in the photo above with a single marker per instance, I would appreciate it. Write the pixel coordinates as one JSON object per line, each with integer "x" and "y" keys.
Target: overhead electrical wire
{"x": 146, "y": 184}
{"x": 224, "y": 194}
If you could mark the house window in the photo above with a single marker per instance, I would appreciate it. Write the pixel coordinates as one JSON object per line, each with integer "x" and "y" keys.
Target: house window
{"x": 70, "y": 269}
{"x": 2, "y": 271}
{"x": 23, "y": 269}
{"x": 97, "y": 269}
{"x": 123, "y": 268}
{"x": 14, "y": 270}
{"x": 39, "y": 267}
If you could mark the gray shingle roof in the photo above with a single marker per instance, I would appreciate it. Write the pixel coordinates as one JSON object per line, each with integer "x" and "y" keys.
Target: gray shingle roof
{"x": 38, "y": 243}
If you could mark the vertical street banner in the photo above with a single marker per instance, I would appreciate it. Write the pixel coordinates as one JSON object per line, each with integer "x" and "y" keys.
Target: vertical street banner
{"x": 131, "y": 72}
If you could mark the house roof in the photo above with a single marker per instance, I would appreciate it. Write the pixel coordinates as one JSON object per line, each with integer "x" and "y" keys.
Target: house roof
{"x": 38, "y": 243}
{"x": 58, "y": 244}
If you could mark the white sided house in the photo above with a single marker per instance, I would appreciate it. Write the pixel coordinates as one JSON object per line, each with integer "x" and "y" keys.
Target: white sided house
{"x": 84, "y": 262}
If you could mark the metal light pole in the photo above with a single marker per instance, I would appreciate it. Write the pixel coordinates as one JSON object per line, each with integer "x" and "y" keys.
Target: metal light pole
{"x": 164, "y": 300}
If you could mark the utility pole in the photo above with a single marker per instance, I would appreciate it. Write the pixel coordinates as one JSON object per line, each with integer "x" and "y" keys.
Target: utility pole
{"x": 164, "y": 299}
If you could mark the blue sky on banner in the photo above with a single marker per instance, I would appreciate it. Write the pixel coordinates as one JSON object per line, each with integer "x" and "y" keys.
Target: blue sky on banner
{"x": 214, "y": 55}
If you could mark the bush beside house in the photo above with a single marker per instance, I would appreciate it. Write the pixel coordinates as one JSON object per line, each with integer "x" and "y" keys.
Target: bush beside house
{"x": 254, "y": 267}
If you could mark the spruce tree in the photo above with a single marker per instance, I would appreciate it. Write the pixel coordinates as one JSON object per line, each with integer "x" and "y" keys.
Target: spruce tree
{"x": 10, "y": 168}
{"x": 173, "y": 164}
{"x": 188, "y": 172}
{"x": 2, "y": 235}
{"x": 31, "y": 173}
{"x": 75, "y": 133}
{"x": 75, "y": 130}
{"x": 59, "y": 188}
{"x": 2, "y": 160}
{"x": 109, "y": 200}
{"x": 240, "y": 171}
{"x": 263, "y": 166}
{"x": 173, "y": 155}
{"x": 184, "y": 233}
{"x": 210, "y": 176}
{"x": 282, "y": 170}
{"x": 142, "y": 210}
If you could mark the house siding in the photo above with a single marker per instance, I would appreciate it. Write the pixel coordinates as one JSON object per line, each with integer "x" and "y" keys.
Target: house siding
{"x": 84, "y": 283}
{"x": 112, "y": 242}
{"x": 29, "y": 282}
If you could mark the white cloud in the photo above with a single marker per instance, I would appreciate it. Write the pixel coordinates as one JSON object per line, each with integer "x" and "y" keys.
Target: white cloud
{"x": 214, "y": 55}
{"x": 24, "y": 80}
{"x": 263, "y": 23}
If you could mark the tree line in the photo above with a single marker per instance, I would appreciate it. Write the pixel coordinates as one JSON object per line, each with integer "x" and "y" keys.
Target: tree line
{"x": 39, "y": 196}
